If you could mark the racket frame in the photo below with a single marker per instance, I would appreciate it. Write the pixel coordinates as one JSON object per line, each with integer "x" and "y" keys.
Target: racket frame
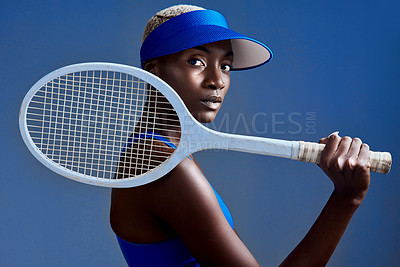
{"x": 156, "y": 82}
{"x": 194, "y": 136}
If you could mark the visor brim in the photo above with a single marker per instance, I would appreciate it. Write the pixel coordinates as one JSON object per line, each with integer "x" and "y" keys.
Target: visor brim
{"x": 248, "y": 52}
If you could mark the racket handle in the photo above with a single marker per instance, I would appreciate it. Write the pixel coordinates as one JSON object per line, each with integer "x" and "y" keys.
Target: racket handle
{"x": 311, "y": 152}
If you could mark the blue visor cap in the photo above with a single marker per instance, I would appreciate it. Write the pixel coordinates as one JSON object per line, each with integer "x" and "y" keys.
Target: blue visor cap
{"x": 201, "y": 27}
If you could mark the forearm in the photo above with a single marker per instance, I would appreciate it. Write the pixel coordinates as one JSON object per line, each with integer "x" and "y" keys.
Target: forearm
{"x": 318, "y": 245}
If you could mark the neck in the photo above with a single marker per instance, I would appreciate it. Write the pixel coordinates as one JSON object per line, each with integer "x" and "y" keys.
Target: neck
{"x": 160, "y": 117}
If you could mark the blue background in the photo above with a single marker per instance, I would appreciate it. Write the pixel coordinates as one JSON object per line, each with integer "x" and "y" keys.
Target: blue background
{"x": 336, "y": 67}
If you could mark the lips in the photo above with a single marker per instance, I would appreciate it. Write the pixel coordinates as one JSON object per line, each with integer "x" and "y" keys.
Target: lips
{"x": 212, "y": 102}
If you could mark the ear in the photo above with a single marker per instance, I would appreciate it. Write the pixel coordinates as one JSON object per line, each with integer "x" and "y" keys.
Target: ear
{"x": 151, "y": 66}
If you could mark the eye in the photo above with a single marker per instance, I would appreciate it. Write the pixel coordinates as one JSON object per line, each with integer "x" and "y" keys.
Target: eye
{"x": 226, "y": 67}
{"x": 196, "y": 62}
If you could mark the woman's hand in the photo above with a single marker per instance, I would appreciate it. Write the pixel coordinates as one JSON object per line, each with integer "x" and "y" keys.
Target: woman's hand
{"x": 346, "y": 162}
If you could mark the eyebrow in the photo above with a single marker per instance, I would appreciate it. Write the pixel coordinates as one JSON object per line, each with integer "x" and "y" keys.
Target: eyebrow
{"x": 205, "y": 50}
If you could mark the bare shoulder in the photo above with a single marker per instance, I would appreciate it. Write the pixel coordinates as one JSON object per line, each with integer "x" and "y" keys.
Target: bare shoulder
{"x": 181, "y": 203}
{"x": 143, "y": 214}
{"x": 130, "y": 214}
{"x": 187, "y": 202}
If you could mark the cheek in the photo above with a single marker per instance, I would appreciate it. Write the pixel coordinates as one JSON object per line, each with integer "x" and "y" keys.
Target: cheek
{"x": 186, "y": 86}
{"x": 176, "y": 78}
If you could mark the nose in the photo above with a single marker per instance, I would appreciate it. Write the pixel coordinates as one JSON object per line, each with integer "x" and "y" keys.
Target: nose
{"x": 214, "y": 78}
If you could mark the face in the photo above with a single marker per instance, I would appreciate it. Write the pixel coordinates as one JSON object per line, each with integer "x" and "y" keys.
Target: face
{"x": 200, "y": 75}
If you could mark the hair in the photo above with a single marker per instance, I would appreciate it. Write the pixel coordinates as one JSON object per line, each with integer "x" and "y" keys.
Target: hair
{"x": 166, "y": 14}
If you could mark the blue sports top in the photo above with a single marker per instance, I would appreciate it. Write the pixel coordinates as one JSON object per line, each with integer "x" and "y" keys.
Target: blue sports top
{"x": 168, "y": 253}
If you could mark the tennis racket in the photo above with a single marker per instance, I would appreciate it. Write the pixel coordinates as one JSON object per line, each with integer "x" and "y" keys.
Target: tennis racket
{"x": 101, "y": 124}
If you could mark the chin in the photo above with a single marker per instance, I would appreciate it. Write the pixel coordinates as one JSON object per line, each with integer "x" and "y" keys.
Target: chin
{"x": 205, "y": 117}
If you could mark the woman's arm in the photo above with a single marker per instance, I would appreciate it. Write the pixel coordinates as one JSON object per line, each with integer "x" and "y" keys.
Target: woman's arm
{"x": 346, "y": 162}
{"x": 186, "y": 202}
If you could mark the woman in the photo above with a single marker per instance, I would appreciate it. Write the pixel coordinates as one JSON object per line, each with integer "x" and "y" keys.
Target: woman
{"x": 180, "y": 220}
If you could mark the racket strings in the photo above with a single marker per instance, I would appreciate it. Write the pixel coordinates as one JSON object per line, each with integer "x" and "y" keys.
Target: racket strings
{"x": 82, "y": 121}
{"x": 147, "y": 152}
{"x": 142, "y": 157}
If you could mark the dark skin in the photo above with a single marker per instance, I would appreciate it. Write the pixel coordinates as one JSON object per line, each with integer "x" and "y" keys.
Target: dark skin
{"x": 183, "y": 198}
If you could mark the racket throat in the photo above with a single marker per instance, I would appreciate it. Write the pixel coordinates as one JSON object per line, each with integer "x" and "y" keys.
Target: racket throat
{"x": 213, "y": 140}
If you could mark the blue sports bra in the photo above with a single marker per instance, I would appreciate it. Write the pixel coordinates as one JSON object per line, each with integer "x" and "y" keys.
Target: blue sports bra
{"x": 168, "y": 253}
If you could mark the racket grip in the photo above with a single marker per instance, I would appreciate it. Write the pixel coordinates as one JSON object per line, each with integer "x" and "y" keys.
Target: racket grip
{"x": 311, "y": 152}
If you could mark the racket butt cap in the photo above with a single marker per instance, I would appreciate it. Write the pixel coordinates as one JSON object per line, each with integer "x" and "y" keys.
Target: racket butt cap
{"x": 380, "y": 162}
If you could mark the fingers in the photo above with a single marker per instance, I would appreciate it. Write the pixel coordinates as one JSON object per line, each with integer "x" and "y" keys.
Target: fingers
{"x": 343, "y": 154}
{"x": 325, "y": 139}
{"x": 340, "y": 161}
{"x": 363, "y": 159}
{"x": 350, "y": 159}
{"x": 364, "y": 153}
{"x": 346, "y": 161}
{"x": 354, "y": 149}
{"x": 332, "y": 142}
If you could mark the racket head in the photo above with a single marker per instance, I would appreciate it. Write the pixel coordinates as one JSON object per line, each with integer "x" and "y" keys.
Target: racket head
{"x": 79, "y": 172}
